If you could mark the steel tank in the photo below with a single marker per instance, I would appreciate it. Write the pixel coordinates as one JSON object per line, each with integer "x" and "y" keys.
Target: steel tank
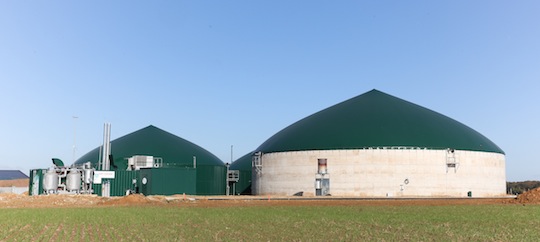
{"x": 88, "y": 175}
{"x": 50, "y": 181}
{"x": 73, "y": 180}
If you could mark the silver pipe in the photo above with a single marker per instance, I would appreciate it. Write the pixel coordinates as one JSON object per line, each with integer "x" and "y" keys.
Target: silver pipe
{"x": 106, "y": 147}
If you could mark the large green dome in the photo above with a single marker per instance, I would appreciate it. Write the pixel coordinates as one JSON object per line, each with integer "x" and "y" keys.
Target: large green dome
{"x": 376, "y": 119}
{"x": 152, "y": 141}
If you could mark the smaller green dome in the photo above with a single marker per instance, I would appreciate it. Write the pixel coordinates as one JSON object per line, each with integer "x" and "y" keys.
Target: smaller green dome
{"x": 152, "y": 141}
{"x": 243, "y": 163}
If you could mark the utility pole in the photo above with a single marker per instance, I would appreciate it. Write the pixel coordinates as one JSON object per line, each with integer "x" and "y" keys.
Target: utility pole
{"x": 74, "y": 137}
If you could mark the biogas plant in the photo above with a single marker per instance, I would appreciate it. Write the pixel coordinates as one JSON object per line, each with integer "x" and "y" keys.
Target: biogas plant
{"x": 377, "y": 145}
{"x": 373, "y": 145}
{"x": 150, "y": 161}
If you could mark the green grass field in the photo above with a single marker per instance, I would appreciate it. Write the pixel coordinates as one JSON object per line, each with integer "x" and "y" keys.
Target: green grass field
{"x": 278, "y": 223}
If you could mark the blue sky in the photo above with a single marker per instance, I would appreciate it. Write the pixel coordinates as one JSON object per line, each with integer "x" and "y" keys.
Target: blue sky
{"x": 222, "y": 73}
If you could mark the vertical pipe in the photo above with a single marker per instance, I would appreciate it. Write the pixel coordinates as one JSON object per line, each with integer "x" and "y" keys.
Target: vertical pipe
{"x": 104, "y": 150}
{"x": 104, "y": 153}
{"x": 106, "y": 147}
{"x": 74, "y": 137}
{"x": 99, "y": 166}
{"x": 106, "y": 185}
{"x": 227, "y": 188}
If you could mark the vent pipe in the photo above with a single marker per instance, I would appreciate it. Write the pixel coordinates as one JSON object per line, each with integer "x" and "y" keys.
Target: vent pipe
{"x": 106, "y": 151}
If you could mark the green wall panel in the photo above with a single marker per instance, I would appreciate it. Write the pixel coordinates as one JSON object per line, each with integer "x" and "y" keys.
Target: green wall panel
{"x": 123, "y": 181}
{"x": 97, "y": 189}
{"x": 211, "y": 180}
{"x": 168, "y": 181}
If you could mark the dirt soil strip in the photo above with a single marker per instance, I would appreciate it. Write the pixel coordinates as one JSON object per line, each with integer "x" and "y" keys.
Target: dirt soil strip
{"x": 44, "y": 201}
{"x": 10, "y": 234}
{"x": 58, "y": 230}
{"x": 38, "y": 236}
{"x": 350, "y": 202}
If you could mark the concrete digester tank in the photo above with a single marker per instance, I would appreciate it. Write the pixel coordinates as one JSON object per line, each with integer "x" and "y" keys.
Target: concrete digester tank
{"x": 378, "y": 145}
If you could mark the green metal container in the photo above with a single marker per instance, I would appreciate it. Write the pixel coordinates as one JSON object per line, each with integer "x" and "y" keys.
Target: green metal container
{"x": 97, "y": 189}
{"x": 211, "y": 180}
{"x": 123, "y": 181}
{"x": 168, "y": 181}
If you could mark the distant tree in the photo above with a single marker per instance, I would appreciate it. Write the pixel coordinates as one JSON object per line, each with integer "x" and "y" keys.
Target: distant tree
{"x": 521, "y": 187}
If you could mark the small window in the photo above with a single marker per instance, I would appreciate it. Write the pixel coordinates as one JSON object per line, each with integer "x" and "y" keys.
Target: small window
{"x": 321, "y": 166}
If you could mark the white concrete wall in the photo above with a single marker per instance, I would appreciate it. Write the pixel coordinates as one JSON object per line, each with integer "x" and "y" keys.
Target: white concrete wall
{"x": 382, "y": 173}
{"x": 16, "y": 190}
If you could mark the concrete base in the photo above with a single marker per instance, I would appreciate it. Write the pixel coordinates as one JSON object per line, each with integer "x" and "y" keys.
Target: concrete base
{"x": 384, "y": 173}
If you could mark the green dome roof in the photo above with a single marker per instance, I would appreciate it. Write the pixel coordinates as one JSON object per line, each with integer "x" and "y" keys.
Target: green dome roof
{"x": 376, "y": 119}
{"x": 243, "y": 163}
{"x": 152, "y": 141}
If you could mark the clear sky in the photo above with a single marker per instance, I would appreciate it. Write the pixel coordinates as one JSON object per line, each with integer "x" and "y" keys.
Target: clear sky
{"x": 222, "y": 73}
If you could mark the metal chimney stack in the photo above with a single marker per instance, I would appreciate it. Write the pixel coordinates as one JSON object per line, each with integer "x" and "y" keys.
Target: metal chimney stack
{"x": 106, "y": 151}
{"x": 106, "y": 165}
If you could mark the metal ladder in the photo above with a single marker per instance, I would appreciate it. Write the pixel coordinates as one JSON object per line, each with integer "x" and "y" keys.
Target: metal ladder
{"x": 256, "y": 161}
{"x": 451, "y": 161}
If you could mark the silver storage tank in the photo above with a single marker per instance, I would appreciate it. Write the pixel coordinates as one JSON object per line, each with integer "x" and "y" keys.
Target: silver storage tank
{"x": 88, "y": 173}
{"x": 50, "y": 181}
{"x": 73, "y": 180}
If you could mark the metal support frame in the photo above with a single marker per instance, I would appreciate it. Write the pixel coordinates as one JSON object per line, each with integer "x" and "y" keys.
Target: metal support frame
{"x": 256, "y": 162}
{"x": 451, "y": 160}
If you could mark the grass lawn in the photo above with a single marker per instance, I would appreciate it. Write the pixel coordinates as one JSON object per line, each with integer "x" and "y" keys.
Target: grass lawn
{"x": 277, "y": 223}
